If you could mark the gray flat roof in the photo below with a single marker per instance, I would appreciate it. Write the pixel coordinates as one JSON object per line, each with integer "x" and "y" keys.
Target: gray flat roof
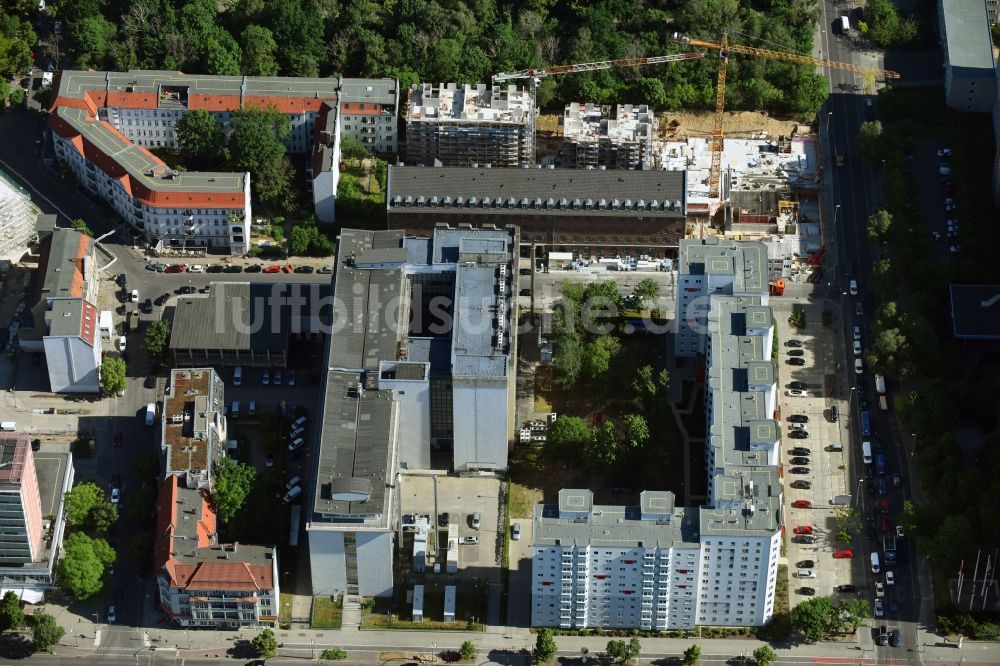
{"x": 614, "y": 527}
{"x": 745, "y": 260}
{"x": 358, "y": 437}
{"x": 584, "y": 192}
{"x": 66, "y": 253}
{"x": 51, "y": 467}
{"x": 966, "y": 30}
{"x": 221, "y": 320}
{"x": 75, "y": 84}
{"x": 66, "y": 316}
{"x": 477, "y": 350}
{"x": 975, "y": 311}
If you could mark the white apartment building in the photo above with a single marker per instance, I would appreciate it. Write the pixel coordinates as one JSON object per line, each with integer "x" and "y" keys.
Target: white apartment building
{"x": 657, "y": 566}
{"x": 105, "y": 124}
{"x": 713, "y": 266}
{"x": 17, "y": 220}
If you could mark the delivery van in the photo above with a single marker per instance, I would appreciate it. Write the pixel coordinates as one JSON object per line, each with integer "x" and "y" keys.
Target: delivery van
{"x": 292, "y": 494}
{"x": 150, "y": 413}
{"x": 845, "y": 25}
{"x": 238, "y": 376}
{"x": 866, "y": 452}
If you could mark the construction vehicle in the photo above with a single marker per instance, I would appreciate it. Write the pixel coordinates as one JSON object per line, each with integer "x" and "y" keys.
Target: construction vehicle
{"x": 725, "y": 48}
{"x": 536, "y": 74}
{"x": 778, "y": 287}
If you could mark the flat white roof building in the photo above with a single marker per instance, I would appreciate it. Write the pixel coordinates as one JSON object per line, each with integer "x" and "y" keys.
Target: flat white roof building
{"x": 592, "y": 138}
{"x": 657, "y": 566}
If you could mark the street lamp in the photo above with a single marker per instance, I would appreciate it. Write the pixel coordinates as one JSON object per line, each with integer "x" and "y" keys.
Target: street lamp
{"x": 829, "y": 114}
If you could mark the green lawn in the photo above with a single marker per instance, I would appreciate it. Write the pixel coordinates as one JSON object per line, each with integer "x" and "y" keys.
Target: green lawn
{"x": 326, "y": 613}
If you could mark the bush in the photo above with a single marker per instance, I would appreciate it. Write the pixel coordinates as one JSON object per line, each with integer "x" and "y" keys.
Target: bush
{"x": 334, "y": 655}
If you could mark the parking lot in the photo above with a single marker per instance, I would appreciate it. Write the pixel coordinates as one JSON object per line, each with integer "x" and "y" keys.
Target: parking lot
{"x": 821, "y": 465}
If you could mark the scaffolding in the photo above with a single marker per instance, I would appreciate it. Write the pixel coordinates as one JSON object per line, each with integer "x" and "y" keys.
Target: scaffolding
{"x": 17, "y": 219}
{"x": 592, "y": 138}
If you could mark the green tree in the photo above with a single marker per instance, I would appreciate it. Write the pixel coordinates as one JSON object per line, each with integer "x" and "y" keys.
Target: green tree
{"x": 883, "y": 278}
{"x": 89, "y": 40}
{"x": 336, "y": 654}
{"x": 156, "y": 340}
{"x": 567, "y": 438}
{"x": 11, "y": 615}
{"x": 200, "y": 136}
{"x": 603, "y": 449}
{"x": 813, "y": 617}
{"x": 636, "y": 430}
{"x": 103, "y": 516}
{"x": 468, "y": 651}
{"x": 692, "y": 656}
{"x": 878, "y": 225}
{"x": 265, "y": 644}
{"x": 651, "y": 387}
{"x": 621, "y": 652}
{"x": 223, "y": 56}
{"x": 112, "y": 373}
{"x": 599, "y": 354}
{"x": 855, "y": 611}
{"x": 81, "y": 501}
{"x": 45, "y": 631}
{"x": 764, "y": 655}
{"x": 233, "y": 483}
{"x": 81, "y": 226}
{"x": 545, "y": 646}
{"x": 567, "y": 358}
{"x": 870, "y": 140}
{"x": 305, "y": 240}
{"x": 81, "y": 571}
{"x": 258, "y": 51}
{"x": 256, "y": 145}
{"x": 352, "y": 149}
{"x": 646, "y": 292}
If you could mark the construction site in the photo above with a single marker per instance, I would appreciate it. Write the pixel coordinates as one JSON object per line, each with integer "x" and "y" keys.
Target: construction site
{"x": 452, "y": 125}
{"x": 592, "y": 138}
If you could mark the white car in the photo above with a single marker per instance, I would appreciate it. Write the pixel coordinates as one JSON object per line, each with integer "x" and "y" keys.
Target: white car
{"x": 112, "y": 615}
{"x": 797, "y": 426}
{"x": 196, "y": 268}
{"x": 854, "y": 288}
{"x": 291, "y": 378}
{"x": 121, "y": 343}
{"x": 135, "y": 296}
{"x": 936, "y": 235}
{"x": 949, "y": 200}
{"x": 859, "y": 366}
{"x": 797, "y": 393}
{"x": 277, "y": 377}
{"x": 880, "y": 588}
{"x": 950, "y": 208}
{"x": 944, "y": 152}
{"x": 879, "y": 608}
{"x": 890, "y": 578}
{"x": 806, "y": 573}
{"x": 116, "y": 495}
{"x": 955, "y": 249}
{"x": 900, "y": 534}
{"x": 265, "y": 379}
{"x": 857, "y": 348}
{"x": 469, "y": 540}
{"x": 857, "y": 332}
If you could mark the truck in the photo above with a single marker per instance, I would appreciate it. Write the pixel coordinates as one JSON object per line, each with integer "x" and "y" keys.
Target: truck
{"x": 889, "y": 548}
{"x": 133, "y": 321}
{"x": 883, "y": 404}
{"x": 880, "y": 464}
{"x": 866, "y": 424}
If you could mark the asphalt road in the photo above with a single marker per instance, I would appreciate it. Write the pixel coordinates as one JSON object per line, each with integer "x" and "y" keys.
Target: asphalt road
{"x": 857, "y": 191}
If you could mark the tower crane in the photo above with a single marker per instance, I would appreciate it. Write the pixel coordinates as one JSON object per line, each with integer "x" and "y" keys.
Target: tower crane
{"x": 725, "y": 48}
{"x": 536, "y": 74}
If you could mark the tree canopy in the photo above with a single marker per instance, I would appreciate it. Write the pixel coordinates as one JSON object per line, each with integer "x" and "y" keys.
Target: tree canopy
{"x": 545, "y": 646}
{"x": 200, "y": 137}
{"x": 233, "y": 483}
{"x": 265, "y": 643}
{"x": 81, "y": 501}
{"x": 112, "y": 374}
{"x": 157, "y": 341}
{"x": 11, "y": 614}
{"x": 45, "y": 631}
{"x": 621, "y": 652}
{"x": 81, "y": 571}
{"x": 813, "y": 617}
{"x": 256, "y": 144}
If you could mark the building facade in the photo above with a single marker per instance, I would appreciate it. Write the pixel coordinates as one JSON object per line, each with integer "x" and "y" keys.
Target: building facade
{"x": 969, "y": 66}
{"x": 32, "y": 488}
{"x": 657, "y": 566}
{"x": 17, "y": 220}
{"x": 202, "y": 583}
{"x": 397, "y": 389}
{"x": 587, "y": 212}
{"x": 592, "y": 138}
{"x": 105, "y": 123}
{"x": 64, "y": 318}
{"x": 451, "y": 125}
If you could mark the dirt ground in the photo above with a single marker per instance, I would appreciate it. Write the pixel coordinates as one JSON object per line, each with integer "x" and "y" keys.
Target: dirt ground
{"x": 695, "y": 124}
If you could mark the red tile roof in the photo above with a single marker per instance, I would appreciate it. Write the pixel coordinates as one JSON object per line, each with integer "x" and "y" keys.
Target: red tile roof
{"x": 360, "y": 109}
{"x": 223, "y": 576}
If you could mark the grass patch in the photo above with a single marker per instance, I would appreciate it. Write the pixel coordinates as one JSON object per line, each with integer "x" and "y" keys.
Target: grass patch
{"x": 780, "y": 626}
{"x": 380, "y": 621}
{"x": 326, "y": 613}
{"x": 522, "y": 500}
{"x": 285, "y": 610}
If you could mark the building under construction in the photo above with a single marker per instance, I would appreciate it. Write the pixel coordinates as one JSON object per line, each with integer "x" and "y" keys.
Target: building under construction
{"x": 17, "y": 220}
{"x": 593, "y": 139}
{"x": 451, "y": 125}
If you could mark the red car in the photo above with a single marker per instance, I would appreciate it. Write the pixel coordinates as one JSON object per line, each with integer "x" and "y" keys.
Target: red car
{"x": 272, "y": 269}
{"x": 802, "y": 504}
{"x": 803, "y": 529}
{"x": 886, "y": 527}
{"x": 885, "y": 506}
{"x": 175, "y": 268}
{"x": 845, "y": 554}
{"x": 287, "y": 268}
{"x": 118, "y": 438}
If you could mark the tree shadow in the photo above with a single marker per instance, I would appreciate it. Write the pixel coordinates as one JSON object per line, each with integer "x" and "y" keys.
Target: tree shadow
{"x": 16, "y": 646}
{"x": 242, "y": 649}
{"x": 510, "y": 656}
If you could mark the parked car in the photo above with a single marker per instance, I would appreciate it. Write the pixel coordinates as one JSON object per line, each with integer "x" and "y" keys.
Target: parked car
{"x": 793, "y": 343}
{"x": 886, "y": 526}
{"x": 265, "y": 377}
{"x": 799, "y": 470}
{"x": 795, "y": 361}
{"x": 802, "y": 485}
{"x": 796, "y": 352}
{"x": 805, "y": 564}
{"x": 443, "y": 518}
{"x": 253, "y": 268}
{"x": 844, "y": 554}
{"x": 847, "y": 589}
{"x": 304, "y": 269}
{"x": 233, "y": 268}
{"x": 890, "y": 577}
{"x": 325, "y": 270}
{"x": 273, "y": 268}
{"x": 515, "y": 531}
{"x": 894, "y": 638}
{"x": 900, "y": 534}
{"x": 195, "y": 268}
{"x": 859, "y": 366}
{"x": 804, "y": 538}
{"x": 799, "y": 451}
{"x": 798, "y": 434}
{"x": 174, "y": 268}
{"x": 803, "y": 529}
{"x": 879, "y": 589}
{"x": 949, "y": 208}
{"x": 798, "y": 386}
{"x": 215, "y": 268}
{"x": 797, "y": 393}
{"x": 156, "y": 267}
{"x": 291, "y": 378}
{"x": 134, "y": 296}
{"x": 802, "y": 504}
{"x": 955, "y": 249}
{"x": 469, "y": 540}
{"x": 944, "y": 152}
{"x": 807, "y": 591}
{"x": 800, "y": 460}
{"x": 879, "y": 608}
{"x": 798, "y": 418}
